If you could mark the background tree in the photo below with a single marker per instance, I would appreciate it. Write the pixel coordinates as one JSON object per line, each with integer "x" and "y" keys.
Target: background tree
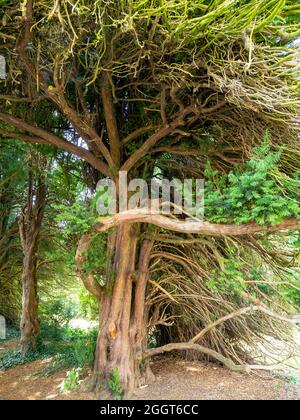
{"x": 55, "y": 256}
{"x": 12, "y": 184}
{"x": 137, "y": 85}
{"x": 30, "y": 224}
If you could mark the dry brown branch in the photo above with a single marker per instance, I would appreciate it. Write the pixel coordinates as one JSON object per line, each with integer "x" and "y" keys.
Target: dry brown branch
{"x": 247, "y": 368}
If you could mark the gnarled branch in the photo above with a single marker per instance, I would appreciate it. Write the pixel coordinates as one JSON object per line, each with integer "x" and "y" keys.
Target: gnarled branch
{"x": 196, "y": 227}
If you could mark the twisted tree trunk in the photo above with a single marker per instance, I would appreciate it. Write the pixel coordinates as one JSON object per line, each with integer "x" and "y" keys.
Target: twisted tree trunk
{"x": 122, "y": 336}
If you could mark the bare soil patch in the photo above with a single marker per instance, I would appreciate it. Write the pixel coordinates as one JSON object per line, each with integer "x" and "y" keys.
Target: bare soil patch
{"x": 9, "y": 345}
{"x": 176, "y": 379}
{"x": 23, "y": 383}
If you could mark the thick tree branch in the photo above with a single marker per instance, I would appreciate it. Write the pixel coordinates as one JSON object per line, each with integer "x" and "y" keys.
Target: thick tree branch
{"x": 136, "y": 134}
{"x": 111, "y": 122}
{"x": 167, "y": 130}
{"x": 204, "y": 228}
{"x": 83, "y": 127}
{"x": 44, "y": 137}
{"x": 161, "y": 132}
{"x": 191, "y": 345}
{"x": 144, "y": 149}
{"x": 21, "y": 100}
{"x": 22, "y": 136}
{"x": 27, "y": 34}
{"x": 217, "y": 356}
{"x": 240, "y": 312}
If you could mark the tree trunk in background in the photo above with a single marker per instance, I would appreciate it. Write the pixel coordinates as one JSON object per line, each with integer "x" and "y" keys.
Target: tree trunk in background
{"x": 30, "y": 227}
{"x": 29, "y": 320}
{"x": 123, "y": 333}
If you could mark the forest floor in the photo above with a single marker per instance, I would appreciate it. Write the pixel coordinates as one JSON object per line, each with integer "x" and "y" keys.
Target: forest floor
{"x": 176, "y": 379}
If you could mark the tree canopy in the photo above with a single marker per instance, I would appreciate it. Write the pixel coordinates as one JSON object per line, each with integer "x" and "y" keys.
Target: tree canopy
{"x": 199, "y": 89}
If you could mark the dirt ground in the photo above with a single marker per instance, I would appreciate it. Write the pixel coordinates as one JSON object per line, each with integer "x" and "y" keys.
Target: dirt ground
{"x": 176, "y": 379}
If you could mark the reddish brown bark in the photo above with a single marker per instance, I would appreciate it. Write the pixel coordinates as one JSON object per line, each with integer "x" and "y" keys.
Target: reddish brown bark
{"x": 122, "y": 336}
{"x": 110, "y": 118}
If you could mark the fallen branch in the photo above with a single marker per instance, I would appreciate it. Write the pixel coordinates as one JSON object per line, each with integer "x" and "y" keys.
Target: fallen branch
{"x": 191, "y": 345}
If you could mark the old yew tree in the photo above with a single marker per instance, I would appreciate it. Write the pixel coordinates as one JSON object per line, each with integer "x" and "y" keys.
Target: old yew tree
{"x": 177, "y": 89}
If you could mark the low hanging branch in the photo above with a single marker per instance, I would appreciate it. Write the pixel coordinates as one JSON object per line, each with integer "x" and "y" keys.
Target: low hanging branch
{"x": 217, "y": 356}
{"x": 192, "y": 345}
{"x": 196, "y": 347}
{"x": 193, "y": 226}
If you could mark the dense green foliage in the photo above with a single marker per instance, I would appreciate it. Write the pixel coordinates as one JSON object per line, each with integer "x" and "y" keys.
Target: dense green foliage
{"x": 255, "y": 192}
